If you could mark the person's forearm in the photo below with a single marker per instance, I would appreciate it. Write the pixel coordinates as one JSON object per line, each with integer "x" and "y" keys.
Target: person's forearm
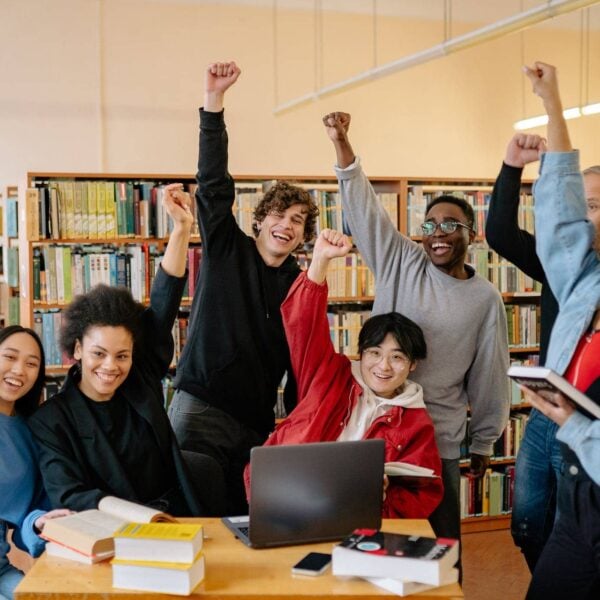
{"x": 174, "y": 260}
{"x": 558, "y": 133}
{"x": 213, "y": 101}
{"x": 317, "y": 271}
{"x": 344, "y": 153}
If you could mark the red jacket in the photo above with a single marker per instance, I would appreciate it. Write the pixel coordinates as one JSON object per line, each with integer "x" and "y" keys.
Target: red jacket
{"x": 327, "y": 393}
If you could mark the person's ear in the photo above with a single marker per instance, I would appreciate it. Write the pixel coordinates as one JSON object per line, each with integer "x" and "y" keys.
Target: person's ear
{"x": 77, "y": 350}
{"x": 413, "y": 366}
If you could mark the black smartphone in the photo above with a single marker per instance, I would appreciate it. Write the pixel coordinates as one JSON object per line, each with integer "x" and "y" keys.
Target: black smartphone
{"x": 314, "y": 563}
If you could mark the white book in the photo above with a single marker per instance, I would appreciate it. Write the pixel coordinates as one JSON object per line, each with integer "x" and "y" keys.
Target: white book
{"x": 543, "y": 380}
{"x": 405, "y": 469}
{"x": 402, "y": 587}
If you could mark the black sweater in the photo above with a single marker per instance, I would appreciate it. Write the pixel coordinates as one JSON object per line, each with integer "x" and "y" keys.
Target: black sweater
{"x": 236, "y": 351}
{"x": 503, "y": 235}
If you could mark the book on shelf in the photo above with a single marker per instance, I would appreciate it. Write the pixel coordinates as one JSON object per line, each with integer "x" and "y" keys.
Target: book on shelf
{"x": 373, "y": 553}
{"x": 181, "y": 542}
{"x": 545, "y": 382}
{"x": 158, "y": 576}
{"x": 91, "y": 532}
{"x": 404, "y": 469}
{"x": 402, "y": 587}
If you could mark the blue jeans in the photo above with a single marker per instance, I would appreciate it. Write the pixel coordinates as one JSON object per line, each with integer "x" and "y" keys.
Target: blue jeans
{"x": 534, "y": 502}
{"x": 9, "y": 576}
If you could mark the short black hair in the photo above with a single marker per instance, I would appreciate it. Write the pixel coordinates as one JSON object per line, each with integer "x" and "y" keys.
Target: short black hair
{"x": 407, "y": 333}
{"x": 279, "y": 197}
{"x": 102, "y": 306}
{"x": 460, "y": 202}
{"x": 26, "y": 405}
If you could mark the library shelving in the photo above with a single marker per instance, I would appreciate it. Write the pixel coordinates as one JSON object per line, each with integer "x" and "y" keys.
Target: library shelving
{"x": 9, "y": 258}
{"x": 77, "y": 229}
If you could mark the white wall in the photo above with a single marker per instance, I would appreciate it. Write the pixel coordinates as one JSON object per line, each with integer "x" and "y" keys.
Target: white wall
{"x": 114, "y": 85}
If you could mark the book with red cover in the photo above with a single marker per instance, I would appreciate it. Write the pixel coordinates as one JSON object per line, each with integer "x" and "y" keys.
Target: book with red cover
{"x": 375, "y": 553}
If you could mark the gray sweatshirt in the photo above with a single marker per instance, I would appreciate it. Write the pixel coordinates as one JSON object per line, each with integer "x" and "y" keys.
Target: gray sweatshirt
{"x": 463, "y": 320}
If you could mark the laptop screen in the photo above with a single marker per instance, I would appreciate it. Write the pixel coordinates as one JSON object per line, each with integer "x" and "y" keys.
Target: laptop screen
{"x": 314, "y": 492}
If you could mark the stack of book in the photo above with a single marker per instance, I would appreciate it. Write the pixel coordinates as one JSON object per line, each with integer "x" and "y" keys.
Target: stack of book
{"x": 401, "y": 564}
{"x": 88, "y": 536}
{"x": 140, "y": 552}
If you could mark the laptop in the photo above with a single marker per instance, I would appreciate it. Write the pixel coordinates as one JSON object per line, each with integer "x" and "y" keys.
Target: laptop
{"x": 311, "y": 493}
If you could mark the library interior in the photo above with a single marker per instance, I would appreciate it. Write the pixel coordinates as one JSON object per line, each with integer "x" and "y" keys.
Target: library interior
{"x": 100, "y": 117}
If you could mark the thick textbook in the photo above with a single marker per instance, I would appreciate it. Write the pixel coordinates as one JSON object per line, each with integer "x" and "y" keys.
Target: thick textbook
{"x": 542, "y": 380}
{"x": 401, "y": 587}
{"x": 90, "y": 532}
{"x": 158, "y": 576}
{"x": 155, "y": 541}
{"x": 373, "y": 553}
{"x": 60, "y": 551}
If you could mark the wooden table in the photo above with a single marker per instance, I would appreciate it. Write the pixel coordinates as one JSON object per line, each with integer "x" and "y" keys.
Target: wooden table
{"x": 233, "y": 571}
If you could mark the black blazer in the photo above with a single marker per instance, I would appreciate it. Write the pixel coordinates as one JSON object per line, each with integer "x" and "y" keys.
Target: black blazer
{"x": 78, "y": 464}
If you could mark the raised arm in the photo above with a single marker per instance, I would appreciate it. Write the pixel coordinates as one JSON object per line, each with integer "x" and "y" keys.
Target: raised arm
{"x": 337, "y": 125}
{"x": 502, "y": 230}
{"x": 178, "y": 206}
{"x": 564, "y": 237}
{"x": 545, "y": 84}
{"x": 218, "y": 79}
{"x": 216, "y": 192}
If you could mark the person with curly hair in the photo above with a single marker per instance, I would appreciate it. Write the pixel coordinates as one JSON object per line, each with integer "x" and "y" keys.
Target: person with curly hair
{"x": 236, "y": 352}
{"x": 106, "y": 431}
{"x": 24, "y": 505}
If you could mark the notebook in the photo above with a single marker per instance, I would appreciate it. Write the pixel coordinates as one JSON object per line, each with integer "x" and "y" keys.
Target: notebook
{"x": 311, "y": 492}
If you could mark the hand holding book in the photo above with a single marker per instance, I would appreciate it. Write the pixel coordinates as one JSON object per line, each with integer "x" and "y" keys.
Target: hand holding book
{"x": 553, "y": 405}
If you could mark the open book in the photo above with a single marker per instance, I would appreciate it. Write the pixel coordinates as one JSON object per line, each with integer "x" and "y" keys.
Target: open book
{"x": 90, "y": 532}
{"x": 404, "y": 469}
{"x": 543, "y": 380}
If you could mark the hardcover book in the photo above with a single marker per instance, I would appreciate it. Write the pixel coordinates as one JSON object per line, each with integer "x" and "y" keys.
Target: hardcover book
{"x": 374, "y": 553}
{"x": 545, "y": 381}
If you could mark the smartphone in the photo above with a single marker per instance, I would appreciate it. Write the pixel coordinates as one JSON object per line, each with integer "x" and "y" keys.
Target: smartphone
{"x": 314, "y": 563}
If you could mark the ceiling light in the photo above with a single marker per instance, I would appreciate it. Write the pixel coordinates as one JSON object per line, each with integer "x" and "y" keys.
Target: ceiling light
{"x": 568, "y": 113}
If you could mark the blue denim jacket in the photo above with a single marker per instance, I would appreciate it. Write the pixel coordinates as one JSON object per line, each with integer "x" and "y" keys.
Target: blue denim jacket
{"x": 564, "y": 243}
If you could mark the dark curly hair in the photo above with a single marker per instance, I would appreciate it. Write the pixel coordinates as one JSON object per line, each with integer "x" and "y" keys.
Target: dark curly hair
{"x": 279, "y": 198}
{"x": 26, "y": 405}
{"x": 102, "y": 306}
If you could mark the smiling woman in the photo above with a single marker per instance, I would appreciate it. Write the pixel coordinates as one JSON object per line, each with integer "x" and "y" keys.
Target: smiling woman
{"x": 106, "y": 432}
{"x": 23, "y": 502}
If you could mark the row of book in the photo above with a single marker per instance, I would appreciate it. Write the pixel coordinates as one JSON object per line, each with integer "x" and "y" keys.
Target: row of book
{"x": 97, "y": 209}
{"x": 420, "y": 196}
{"x": 490, "y": 495}
{"x": 60, "y": 272}
{"x": 503, "y": 274}
{"x": 507, "y": 445}
{"x": 523, "y": 321}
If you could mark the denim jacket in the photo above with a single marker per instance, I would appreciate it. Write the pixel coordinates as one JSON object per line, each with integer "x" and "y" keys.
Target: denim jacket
{"x": 564, "y": 243}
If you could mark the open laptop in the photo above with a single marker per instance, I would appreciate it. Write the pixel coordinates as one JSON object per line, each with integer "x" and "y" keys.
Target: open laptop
{"x": 311, "y": 492}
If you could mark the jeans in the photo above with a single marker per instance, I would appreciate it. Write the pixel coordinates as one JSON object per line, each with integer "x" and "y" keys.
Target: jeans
{"x": 569, "y": 566}
{"x": 202, "y": 428}
{"x": 534, "y": 502}
{"x": 9, "y": 576}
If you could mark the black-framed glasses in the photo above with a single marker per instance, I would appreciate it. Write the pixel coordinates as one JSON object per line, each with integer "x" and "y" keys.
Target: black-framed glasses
{"x": 429, "y": 227}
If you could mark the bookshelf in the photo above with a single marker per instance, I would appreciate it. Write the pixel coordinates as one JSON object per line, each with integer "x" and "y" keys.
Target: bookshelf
{"x": 9, "y": 257}
{"x": 57, "y": 227}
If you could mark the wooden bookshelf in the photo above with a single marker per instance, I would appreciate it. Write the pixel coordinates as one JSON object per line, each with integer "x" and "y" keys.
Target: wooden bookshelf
{"x": 402, "y": 195}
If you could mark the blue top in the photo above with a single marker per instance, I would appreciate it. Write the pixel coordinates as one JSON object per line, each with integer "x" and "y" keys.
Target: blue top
{"x": 565, "y": 240}
{"x": 23, "y": 499}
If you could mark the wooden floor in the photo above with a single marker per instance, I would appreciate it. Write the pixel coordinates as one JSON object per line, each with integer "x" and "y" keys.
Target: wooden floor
{"x": 493, "y": 567}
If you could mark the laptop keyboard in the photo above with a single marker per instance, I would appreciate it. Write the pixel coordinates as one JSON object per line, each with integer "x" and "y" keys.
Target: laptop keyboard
{"x": 244, "y": 530}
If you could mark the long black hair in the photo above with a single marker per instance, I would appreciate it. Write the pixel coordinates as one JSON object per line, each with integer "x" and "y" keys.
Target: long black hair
{"x": 26, "y": 405}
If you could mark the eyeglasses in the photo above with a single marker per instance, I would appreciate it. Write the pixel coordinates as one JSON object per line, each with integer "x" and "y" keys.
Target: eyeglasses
{"x": 396, "y": 359}
{"x": 429, "y": 227}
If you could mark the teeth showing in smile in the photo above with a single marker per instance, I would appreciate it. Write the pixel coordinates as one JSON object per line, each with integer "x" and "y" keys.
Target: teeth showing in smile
{"x": 281, "y": 236}
{"x": 105, "y": 377}
{"x": 440, "y": 247}
{"x": 14, "y": 382}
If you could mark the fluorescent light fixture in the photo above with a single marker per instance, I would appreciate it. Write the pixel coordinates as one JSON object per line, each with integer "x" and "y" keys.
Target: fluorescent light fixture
{"x": 591, "y": 109}
{"x": 568, "y": 113}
